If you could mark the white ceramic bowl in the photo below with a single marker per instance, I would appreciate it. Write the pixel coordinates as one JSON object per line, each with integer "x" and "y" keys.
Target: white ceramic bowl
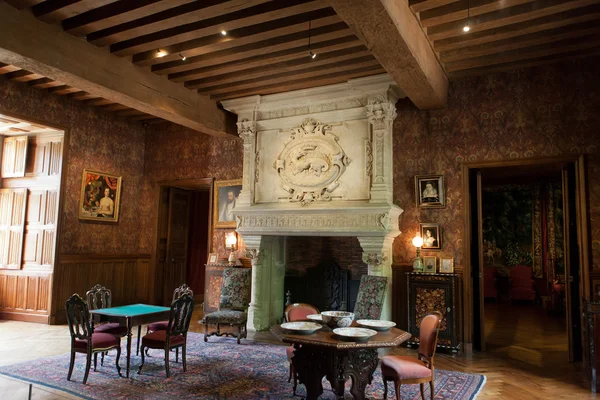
{"x": 377, "y": 324}
{"x": 337, "y": 319}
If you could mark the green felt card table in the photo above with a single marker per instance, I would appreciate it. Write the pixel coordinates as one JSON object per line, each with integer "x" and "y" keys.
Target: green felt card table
{"x": 130, "y": 316}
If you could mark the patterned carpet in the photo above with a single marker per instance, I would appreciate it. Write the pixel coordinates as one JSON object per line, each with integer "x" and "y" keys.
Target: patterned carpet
{"x": 219, "y": 369}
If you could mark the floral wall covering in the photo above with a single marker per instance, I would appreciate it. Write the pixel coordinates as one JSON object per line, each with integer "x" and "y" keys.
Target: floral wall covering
{"x": 99, "y": 141}
{"x": 546, "y": 111}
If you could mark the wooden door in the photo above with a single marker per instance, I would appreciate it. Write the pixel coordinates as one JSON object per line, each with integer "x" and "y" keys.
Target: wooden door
{"x": 13, "y": 204}
{"x": 177, "y": 242}
{"x": 477, "y": 259}
{"x": 572, "y": 263}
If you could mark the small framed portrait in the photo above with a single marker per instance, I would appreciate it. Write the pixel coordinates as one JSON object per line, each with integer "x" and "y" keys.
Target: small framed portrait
{"x": 225, "y": 197}
{"x": 429, "y": 264}
{"x": 446, "y": 265}
{"x": 432, "y": 236}
{"x": 100, "y": 197}
{"x": 213, "y": 258}
{"x": 430, "y": 191}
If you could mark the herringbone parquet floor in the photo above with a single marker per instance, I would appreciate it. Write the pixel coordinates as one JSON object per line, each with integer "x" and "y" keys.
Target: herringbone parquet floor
{"x": 526, "y": 358}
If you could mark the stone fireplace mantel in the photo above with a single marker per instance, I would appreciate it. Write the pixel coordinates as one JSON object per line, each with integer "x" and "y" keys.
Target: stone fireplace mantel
{"x": 317, "y": 162}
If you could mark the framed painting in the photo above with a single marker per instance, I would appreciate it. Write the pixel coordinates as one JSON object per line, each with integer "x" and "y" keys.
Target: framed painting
{"x": 100, "y": 197}
{"x": 225, "y": 195}
{"x": 430, "y": 191}
{"x": 429, "y": 264}
{"x": 432, "y": 236}
{"x": 446, "y": 265}
{"x": 213, "y": 258}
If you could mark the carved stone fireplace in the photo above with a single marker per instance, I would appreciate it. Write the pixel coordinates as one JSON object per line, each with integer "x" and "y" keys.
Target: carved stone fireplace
{"x": 317, "y": 162}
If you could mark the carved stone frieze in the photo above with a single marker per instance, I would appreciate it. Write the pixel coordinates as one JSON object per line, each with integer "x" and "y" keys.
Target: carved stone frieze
{"x": 368, "y": 157}
{"x": 246, "y": 129}
{"x": 256, "y": 163}
{"x": 374, "y": 259}
{"x": 311, "y": 163}
{"x": 379, "y": 110}
{"x": 342, "y": 104}
{"x": 318, "y": 222}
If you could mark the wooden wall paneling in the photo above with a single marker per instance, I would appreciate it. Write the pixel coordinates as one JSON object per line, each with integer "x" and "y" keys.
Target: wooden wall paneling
{"x": 34, "y": 227}
{"x": 12, "y": 223}
{"x": 25, "y": 295}
{"x": 5, "y": 214}
{"x": 37, "y": 161}
{"x": 400, "y": 295}
{"x": 14, "y": 153}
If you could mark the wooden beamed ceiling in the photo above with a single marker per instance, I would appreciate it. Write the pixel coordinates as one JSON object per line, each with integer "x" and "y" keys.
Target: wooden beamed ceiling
{"x": 265, "y": 48}
{"x": 508, "y": 34}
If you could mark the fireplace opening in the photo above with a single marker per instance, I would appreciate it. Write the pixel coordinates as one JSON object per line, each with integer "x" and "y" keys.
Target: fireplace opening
{"x": 323, "y": 271}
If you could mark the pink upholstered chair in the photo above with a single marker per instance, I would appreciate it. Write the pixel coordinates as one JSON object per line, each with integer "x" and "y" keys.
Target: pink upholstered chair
{"x": 521, "y": 283}
{"x": 409, "y": 370}
{"x": 84, "y": 339}
{"x": 297, "y": 312}
{"x": 489, "y": 282}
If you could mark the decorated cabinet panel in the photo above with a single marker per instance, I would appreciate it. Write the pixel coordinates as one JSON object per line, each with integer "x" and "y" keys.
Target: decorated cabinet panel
{"x": 433, "y": 292}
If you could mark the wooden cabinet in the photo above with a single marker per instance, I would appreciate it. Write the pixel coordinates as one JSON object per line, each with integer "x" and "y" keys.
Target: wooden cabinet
{"x": 434, "y": 292}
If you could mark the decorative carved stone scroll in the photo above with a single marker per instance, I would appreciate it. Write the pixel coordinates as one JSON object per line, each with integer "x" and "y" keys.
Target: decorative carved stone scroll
{"x": 311, "y": 163}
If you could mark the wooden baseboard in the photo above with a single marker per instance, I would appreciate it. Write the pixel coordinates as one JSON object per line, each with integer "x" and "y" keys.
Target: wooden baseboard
{"x": 25, "y": 317}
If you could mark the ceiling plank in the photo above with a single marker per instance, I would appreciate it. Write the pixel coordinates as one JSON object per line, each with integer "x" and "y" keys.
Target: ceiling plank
{"x": 239, "y": 37}
{"x": 262, "y": 48}
{"x": 16, "y": 74}
{"x": 322, "y": 80}
{"x": 563, "y": 46}
{"x": 530, "y": 40}
{"x": 513, "y": 66}
{"x": 21, "y": 4}
{"x": 56, "y": 10}
{"x": 424, "y": 5}
{"x": 463, "y": 9}
{"x": 276, "y": 68}
{"x": 172, "y": 17}
{"x": 284, "y": 77}
{"x": 230, "y": 23}
{"x": 39, "y": 82}
{"x": 115, "y": 14}
{"x": 393, "y": 35}
{"x": 506, "y": 16}
{"x": 244, "y": 64}
{"x": 590, "y": 13}
{"x": 45, "y": 49}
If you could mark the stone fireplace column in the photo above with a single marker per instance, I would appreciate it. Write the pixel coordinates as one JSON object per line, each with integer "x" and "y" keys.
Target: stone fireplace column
{"x": 258, "y": 318}
{"x": 377, "y": 254}
{"x": 247, "y": 131}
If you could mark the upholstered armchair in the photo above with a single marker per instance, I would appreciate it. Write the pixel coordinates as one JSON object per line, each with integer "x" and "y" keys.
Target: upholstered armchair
{"x": 233, "y": 303}
{"x": 296, "y": 312}
{"x": 84, "y": 339}
{"x": 175, "y": 336}
{"x": 410, "y": 370}
{"x": 522, "y": 285}
{"x": 489, "y": 282}
{"x": 370, "y": 297}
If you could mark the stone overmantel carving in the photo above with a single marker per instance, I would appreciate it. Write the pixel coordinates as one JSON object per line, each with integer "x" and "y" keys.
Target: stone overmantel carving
{"x": 316, "y": 162}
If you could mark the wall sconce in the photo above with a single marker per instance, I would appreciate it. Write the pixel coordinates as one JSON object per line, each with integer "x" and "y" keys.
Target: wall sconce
{"x": 230, "y": 243}
{"x": 418, "y": 263}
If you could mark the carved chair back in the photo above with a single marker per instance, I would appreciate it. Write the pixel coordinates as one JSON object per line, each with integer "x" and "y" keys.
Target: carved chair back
{"x": 78, "y": 318}
{"x": 181, "y": 290}
{"x": 99, "y": 297}
{"x": 299, "y": 311}
{"x": 235, "y": 290}
{"x": 369, "y": 300}
{"x": 181, "y": 315}
{"x": 428, "y": 337}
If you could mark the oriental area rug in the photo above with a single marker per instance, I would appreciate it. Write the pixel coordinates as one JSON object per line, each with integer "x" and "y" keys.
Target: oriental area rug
{"x": 219, "y": 370}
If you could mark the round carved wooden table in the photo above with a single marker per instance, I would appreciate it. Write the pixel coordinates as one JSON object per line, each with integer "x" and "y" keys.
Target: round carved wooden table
{"x": 323, "y": 353}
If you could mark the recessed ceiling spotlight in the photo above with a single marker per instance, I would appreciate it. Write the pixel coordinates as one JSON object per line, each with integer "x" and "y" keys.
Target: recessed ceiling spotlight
{"x": 183, "y": 58}
{"x": 224, "y": 33}
{"x": 160, "y": 53}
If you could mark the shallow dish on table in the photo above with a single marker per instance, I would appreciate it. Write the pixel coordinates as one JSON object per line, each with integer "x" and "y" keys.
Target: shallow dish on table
{"x": 315, "y": 317}
{"x": 356, "y": 334}
{"x": 301, "y": 327}
{"x": 376, "y": 324}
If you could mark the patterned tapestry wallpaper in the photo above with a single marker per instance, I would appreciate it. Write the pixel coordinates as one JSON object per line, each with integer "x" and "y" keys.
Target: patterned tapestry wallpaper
{"x": 99, "y": 141}
{"x": 538, "y": 112}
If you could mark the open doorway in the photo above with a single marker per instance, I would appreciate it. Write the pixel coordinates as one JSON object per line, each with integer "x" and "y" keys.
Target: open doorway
{"x": 527, "y": 259}
{"x": 183, "y": 237}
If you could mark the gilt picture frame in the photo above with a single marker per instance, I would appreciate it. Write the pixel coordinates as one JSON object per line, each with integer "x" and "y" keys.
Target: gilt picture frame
{"x": 430, "y": 191}
{"x": 225, "y": 195}
{"x": 100, "y": 197}
{"x": 446, "y": 265}
{"x": 432, "y": 236}
{"x": 429, "y": 264}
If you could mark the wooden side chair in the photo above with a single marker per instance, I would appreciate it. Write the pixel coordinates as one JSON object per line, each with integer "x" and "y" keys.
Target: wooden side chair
{"x": 370, "y": 297}
{"x": 410, "y": 370}
{"x": 296, "y": 312}
{"x": 162, "y": 325}
{"x": 233, "y": 303}
{"x": 175, "y": 336}
{"x": 84, "y": 339}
